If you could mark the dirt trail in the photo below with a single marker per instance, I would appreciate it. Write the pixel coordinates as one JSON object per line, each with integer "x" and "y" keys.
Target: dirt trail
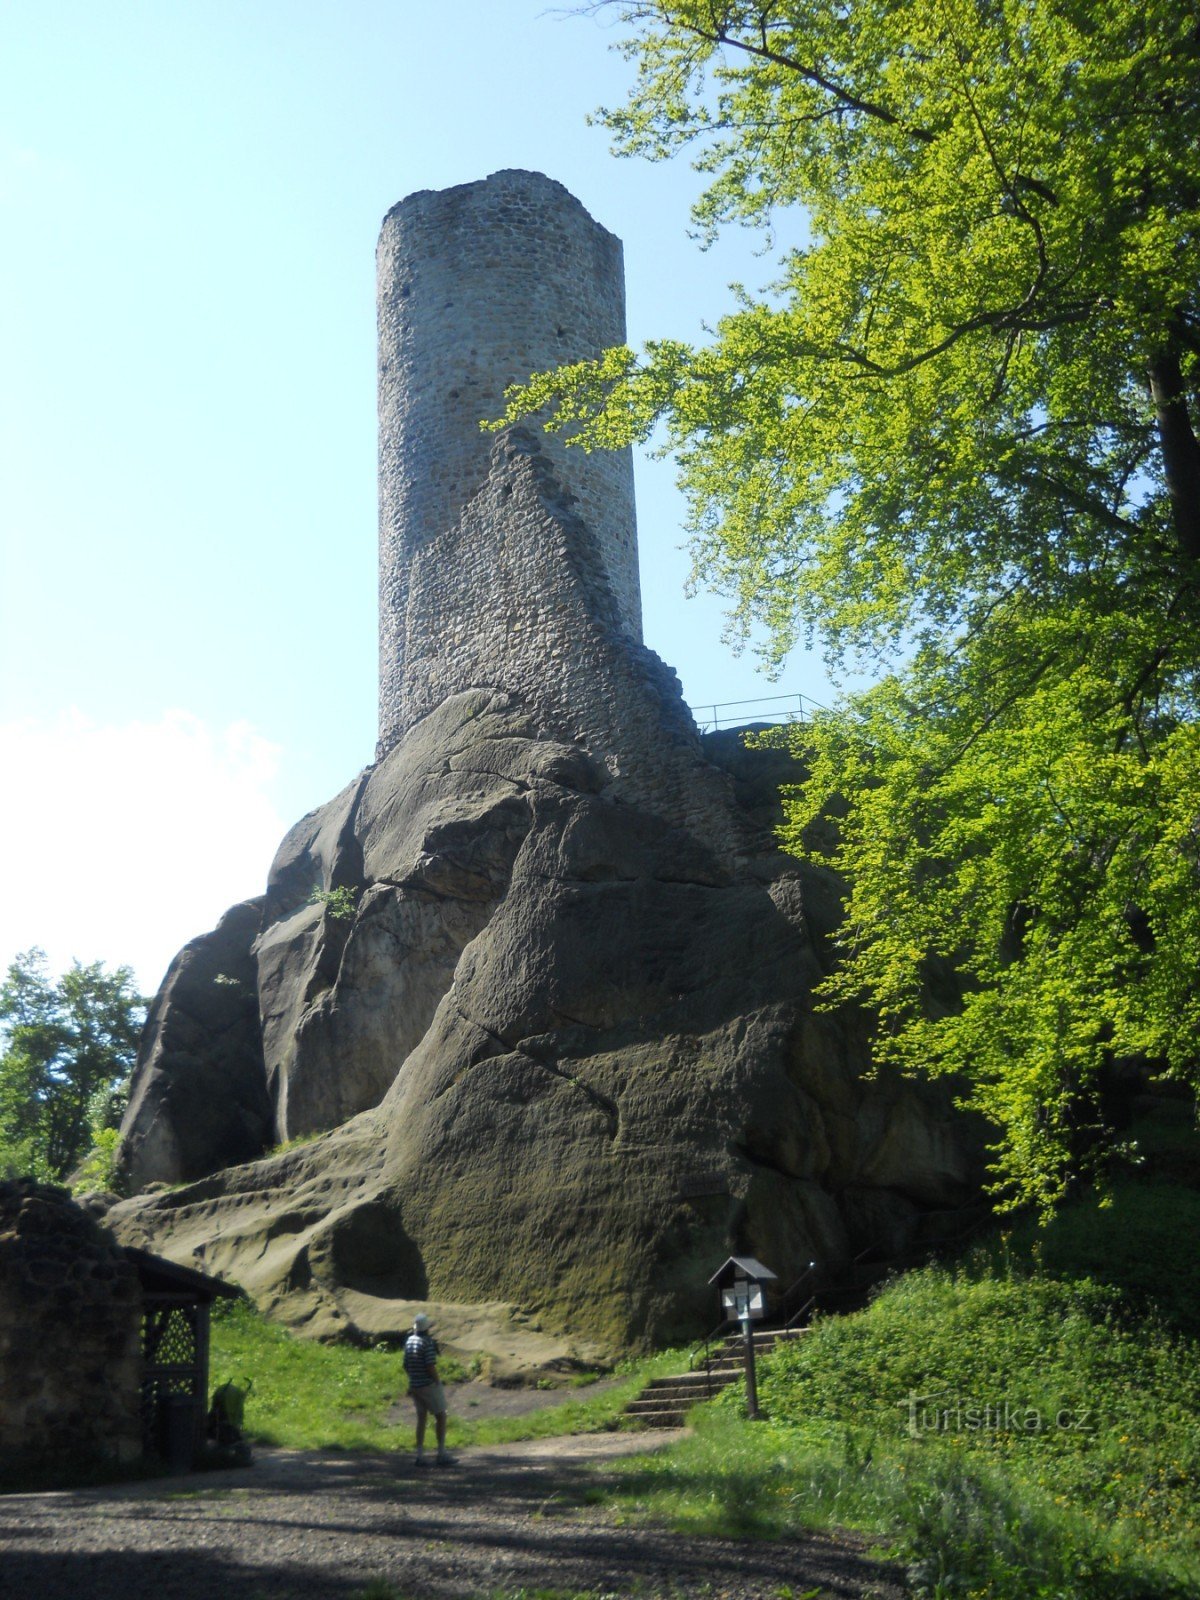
{"x": 309, "y": 1525}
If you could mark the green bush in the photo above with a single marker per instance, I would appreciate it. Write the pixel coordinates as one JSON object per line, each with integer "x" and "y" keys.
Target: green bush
{"x": 1053, "y": 1381}
{"x": 339, "y": 903}
{"x": 1140, "y": 1242}
{"x": 1009, "y": 1435}
{"x": 98, "y": 1169}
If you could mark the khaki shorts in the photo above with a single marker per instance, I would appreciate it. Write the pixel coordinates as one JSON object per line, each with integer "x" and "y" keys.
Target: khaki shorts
{"x": 429, "y": 1397}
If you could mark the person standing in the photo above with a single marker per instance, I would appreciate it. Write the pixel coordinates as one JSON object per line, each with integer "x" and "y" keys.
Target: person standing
{"x": 425, "y": 1387}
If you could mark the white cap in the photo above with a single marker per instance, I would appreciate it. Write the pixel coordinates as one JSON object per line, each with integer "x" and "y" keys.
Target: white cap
{"x": 420, "y": 1322}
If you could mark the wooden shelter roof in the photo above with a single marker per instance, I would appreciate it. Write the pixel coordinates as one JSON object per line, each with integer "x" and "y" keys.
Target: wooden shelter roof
{"x": 168, "y": 1277}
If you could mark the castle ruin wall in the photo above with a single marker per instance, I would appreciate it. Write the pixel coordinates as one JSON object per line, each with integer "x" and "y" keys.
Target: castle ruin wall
{"x": 517, "y": 596}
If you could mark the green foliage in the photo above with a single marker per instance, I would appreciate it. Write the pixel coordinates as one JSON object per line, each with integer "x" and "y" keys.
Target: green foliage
{"x": 1054, "y": 1452}
{"x": 316, "y": 1396}
{"x": 98, "y": 1169}
{"x": 1062, "y": 1349}
{"x": 68, "y": 1046}
{"x": 296, "y": 1142}
{"x": 955, "y": 439}
{"x": 1011, "y": 821}
{"x": 339, "y": 903}
{"x": 1135, "y": 1243}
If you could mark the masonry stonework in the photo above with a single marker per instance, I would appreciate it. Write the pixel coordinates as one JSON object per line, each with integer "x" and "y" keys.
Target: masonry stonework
{"x": 518, "y": 596}
{"x": 479, "y": 287}
{"x": 70, "y": 1334}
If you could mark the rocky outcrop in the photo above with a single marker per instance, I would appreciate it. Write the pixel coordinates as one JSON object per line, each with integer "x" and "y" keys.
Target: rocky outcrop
{"x": 566, "y": 1053}
{"x": 199, "y": 1097}
{"x": 70, "y": 1335}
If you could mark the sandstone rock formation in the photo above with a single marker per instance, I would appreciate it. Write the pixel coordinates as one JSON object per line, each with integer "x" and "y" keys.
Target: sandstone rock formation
{"x": 549, "y": 1014}
{"x": 200, "y": 1086}
{"x": 572, "y": 1048}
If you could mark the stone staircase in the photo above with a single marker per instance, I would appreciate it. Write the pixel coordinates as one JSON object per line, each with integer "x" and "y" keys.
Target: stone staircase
{"x": 829, "y": 1289}
{"x": 664, "y": 1402}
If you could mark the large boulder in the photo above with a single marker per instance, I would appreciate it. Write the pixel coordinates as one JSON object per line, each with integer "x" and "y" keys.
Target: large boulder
{"x": 567, "y": 1058}
{"x": 199, "y": 1095}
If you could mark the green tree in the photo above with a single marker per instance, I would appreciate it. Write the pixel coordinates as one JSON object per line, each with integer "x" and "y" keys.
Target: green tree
{"x": 955, "y": 443}
{"x": 68, "y": 1048}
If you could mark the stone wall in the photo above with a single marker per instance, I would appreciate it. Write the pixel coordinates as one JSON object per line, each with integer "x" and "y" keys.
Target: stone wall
{"x": 517, "y": 596}
{"x": 70, "y": 1334}
{"x": 479, "y": 287}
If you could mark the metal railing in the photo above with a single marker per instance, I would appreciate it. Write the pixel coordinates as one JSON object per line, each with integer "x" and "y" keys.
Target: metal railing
{"x": 842, "y": 1283}
{"x": 852, "y": 1281}
{"x": 711, "y": 1350}
{"x": 848, "y": 1282}
{"x": 779, "y": 708}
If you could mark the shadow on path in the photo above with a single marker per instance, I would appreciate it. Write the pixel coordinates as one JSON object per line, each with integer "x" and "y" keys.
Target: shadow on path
{"x": 322, "y": 1526}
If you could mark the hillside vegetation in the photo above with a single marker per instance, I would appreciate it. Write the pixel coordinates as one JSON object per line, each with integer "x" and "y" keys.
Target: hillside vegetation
{"x": 1024, "y": 1424}
{"x": 1021, "y": 1425}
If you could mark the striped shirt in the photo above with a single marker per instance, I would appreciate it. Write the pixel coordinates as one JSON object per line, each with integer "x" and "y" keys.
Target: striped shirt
{"x": 420, "y": 1353}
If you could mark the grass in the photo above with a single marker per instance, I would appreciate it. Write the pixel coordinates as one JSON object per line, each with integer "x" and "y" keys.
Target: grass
{"x": 1006, "y": 1430}
{"x": 296, "y": 1142}
{"x": 1023, "y": 1426}
{"x": 314, "y": 1396}
{"x": 1142, "y": 1244}
{"x": 1010, "y": 1429}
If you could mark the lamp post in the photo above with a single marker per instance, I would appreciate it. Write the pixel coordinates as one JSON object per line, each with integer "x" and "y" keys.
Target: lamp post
{"x": 742, "y": 1281}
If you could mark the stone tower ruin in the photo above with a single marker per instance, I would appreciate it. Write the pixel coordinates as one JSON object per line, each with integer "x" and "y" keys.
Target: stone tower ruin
{"x": 479, "y": 286}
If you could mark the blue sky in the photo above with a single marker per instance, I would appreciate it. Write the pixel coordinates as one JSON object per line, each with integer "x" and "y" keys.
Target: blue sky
{"x": 190, "y": 198}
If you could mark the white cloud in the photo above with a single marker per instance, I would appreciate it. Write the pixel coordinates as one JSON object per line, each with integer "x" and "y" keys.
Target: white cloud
{"x": 123, "y": 841}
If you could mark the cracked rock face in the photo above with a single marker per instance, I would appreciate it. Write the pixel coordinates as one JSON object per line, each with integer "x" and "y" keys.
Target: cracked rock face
{"x": 564, "y": 1052}
{"x": 199, "y": 1087}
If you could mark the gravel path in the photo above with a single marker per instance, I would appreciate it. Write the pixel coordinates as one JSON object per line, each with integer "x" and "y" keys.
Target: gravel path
{"x": 306, "y": 1525}
{"x": 475, "y": 1399}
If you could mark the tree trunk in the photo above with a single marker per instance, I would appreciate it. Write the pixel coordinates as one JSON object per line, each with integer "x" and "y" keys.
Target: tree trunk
{"x": 1181, "y": 453}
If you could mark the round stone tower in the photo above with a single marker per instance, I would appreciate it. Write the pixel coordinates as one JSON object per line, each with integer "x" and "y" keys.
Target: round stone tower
{"x": 479, "y": 287}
